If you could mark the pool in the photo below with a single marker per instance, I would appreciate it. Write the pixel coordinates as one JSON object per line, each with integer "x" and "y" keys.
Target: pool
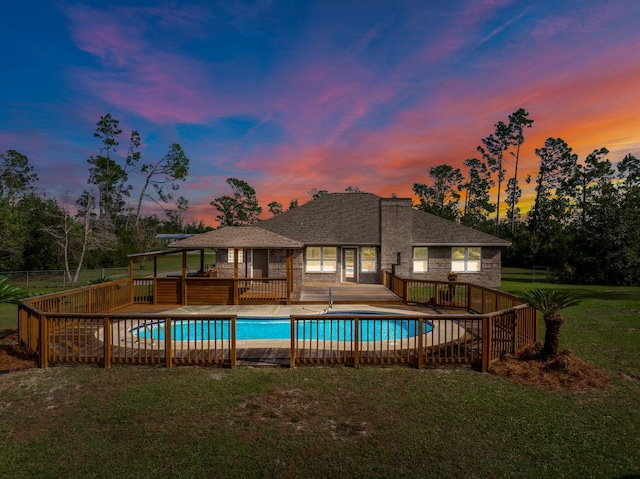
{"x": 280, "y": 329}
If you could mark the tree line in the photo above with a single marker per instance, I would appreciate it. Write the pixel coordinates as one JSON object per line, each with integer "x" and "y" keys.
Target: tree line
{"x": 583, "y": 222}
{"x": 104, "y": 222}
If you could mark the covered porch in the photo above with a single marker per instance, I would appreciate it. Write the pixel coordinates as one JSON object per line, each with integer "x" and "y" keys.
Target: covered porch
{"x": 236, "y": 276}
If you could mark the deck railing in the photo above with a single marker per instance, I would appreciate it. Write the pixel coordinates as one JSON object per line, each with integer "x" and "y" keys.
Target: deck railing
{"x": 203, "y": 290}
{"x": 454, "y": 339}
{"x": 83, "y": 326}
{"x": 147, "y": 339}
{"x": 472, "y": 297}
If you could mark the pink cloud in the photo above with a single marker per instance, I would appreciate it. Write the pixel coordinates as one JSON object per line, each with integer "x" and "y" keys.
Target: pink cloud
{"x": 139, "y": 76}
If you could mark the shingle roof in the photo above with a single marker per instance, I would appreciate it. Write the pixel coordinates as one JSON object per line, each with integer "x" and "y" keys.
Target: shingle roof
{"x": 238, "y": 237}
{"x": 337, "y": 219}
{"x": 333, "y": 219}
{"x": 354, "y": 218}
{"x": 432, "y": 230}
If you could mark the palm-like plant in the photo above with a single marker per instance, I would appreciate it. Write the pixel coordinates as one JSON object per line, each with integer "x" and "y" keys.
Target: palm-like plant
{"x": 10, "y": 293}
{"x": 549, "y": 302}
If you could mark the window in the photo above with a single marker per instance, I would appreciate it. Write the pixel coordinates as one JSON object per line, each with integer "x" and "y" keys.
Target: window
{"x": 230, "y": 256}
{"x": 420, "y": 259}
{"x": 368, "y": 259}
{"x": 322, "y": 259}
{"x": 467, "y": 260}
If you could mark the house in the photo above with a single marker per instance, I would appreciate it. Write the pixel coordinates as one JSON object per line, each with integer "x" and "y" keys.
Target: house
{"x": 352, "y": 238}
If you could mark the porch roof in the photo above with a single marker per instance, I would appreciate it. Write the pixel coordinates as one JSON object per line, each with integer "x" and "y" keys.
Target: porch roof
{"x": 238, "y": 237}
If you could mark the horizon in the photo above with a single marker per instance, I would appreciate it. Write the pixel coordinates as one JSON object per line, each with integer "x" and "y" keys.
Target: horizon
{"x": 291, "y": 96}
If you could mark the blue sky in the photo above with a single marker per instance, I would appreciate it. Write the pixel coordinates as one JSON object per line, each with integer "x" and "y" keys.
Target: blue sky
{"x": 296, "y": 95}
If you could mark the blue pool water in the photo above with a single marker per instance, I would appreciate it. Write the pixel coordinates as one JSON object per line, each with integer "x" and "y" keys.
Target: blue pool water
{"x": 280, "y": 329}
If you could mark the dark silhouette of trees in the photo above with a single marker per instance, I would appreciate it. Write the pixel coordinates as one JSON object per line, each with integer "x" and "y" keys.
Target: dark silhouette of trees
{"x": 442, "y": 197}
{"x": 239, "y": 209}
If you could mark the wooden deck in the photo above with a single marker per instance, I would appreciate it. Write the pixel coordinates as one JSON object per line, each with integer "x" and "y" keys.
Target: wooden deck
{"x": 74, "y": 321}
{"x": 345, "y": 293}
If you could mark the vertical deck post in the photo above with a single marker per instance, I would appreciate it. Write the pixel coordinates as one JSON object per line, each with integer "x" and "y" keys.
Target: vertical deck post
{"x": 106, "y": 338}
{"x": 292, "y": 352}
{"x": 356, "y": 342}
{"x": 420, "y": 344}
{"x": 43, "y": 360}
{"x": 232, "y": 349}
{"x": 168, "y": 343}
{"x": 486, "y": 342}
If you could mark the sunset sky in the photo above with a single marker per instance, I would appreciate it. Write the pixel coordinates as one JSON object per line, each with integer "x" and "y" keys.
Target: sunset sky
{"x": 295, "y": 95}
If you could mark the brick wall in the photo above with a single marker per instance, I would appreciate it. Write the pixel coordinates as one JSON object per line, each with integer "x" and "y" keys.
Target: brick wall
{"x": 395, "y": 231}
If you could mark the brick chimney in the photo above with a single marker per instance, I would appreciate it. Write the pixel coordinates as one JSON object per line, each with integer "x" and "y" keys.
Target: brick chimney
{"x": 395, "y": 235}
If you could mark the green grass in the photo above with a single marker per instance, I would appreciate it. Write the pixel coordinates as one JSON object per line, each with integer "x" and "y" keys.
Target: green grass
{"x": 84, "y": 422}
{"x": 604, "y": 329}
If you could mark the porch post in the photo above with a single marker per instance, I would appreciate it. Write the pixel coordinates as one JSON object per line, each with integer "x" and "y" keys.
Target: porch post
{"x": 236, "y": 283}
{"x": 289, "y": 275}
{"x": 235, "y": 263}
{"x": 183, "y": 291}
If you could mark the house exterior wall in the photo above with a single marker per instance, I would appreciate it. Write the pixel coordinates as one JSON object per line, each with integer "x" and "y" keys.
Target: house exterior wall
{"x": 225, "y": 268}
{"x": 395, "y": 235}
{"x": 440, "y": 267}
{"x": 336, "y": 277}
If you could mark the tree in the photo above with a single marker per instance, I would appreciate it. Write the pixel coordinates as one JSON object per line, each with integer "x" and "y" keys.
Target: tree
{"x": 518, "y": 121}
{"x": 293, "y": 203}
{"x": 477, "y": 201}
{"x": 240, "y": 209}
{"x": 495, "y": 145}
{"x": 275, "y": 208}
{"x": 629, "y": 174}
{"x": 104, "y": 172}
{"x": 549, "y": 303}
{"x": 176, "y": 216}
{"x": 353, "y": 189}
{"x": 78, "y": 234}
{"x": 558, "y": 165}
{"x": 514, "y": 192}
{"x": 13, "y": 231}
{"x": 442, "y": 198}
{"x": 163, "y": 176}
{"x": 592, "y": 180}
{"x": 16, "y": 176}
{"x": 603, "y": 246}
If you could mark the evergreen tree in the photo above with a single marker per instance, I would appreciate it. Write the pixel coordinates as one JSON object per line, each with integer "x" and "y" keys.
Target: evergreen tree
{"x": 442, "y": 198}
{"x": 240, "y": 209}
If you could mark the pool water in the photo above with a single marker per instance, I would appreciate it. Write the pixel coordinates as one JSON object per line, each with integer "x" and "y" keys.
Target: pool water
{"x": 280, "y": 329}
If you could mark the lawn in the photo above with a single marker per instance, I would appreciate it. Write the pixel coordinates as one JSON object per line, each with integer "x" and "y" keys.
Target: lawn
{"x": 329, "y": 422}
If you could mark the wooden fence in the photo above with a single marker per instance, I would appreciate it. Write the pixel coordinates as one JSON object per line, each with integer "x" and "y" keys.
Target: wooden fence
{"x": 83, "y": 326}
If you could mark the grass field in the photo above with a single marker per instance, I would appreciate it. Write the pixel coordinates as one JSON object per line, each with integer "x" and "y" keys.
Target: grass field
{"x": 82, "y": 422}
